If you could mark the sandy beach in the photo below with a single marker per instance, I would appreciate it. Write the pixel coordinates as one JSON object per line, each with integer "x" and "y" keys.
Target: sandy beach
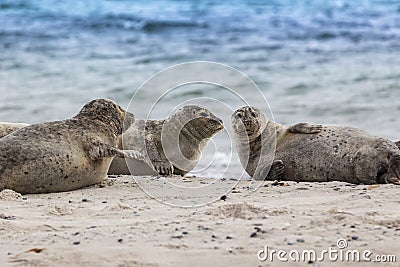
{"x": 117, "y": 224}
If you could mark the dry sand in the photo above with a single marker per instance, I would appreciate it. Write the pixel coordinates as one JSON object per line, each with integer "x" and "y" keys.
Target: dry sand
{"x": 117, "y": 224}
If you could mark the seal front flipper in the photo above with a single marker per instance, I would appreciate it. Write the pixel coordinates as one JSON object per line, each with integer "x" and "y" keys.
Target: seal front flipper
{"x": 393, "y": 174}
{"x": 157, "y": 157}
{"x": 305, "y": 128}
{"x": 366, "y": 168}
{"x": 276, "y": 171}
{"x": 98, "y": 150}
{"x": 270, "y": 172}
{"x": 131, "y": 154}
{"x": 163, "y": 167}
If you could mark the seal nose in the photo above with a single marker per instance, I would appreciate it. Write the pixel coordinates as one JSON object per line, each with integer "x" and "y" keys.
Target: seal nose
{"x": 220, "y": 124}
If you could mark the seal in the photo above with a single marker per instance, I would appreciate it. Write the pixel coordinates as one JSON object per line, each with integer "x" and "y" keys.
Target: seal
{"x": 170, "y": 146}
{"x": 64, "y": 155}
{"x": 313, "y": 153}
{"x": 9, "y": 127}
{"x": 397, "y": 144}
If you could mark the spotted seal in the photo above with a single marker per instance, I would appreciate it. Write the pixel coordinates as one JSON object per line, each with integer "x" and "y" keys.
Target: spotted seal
{"x": 64, "y": 155}
{"x": 314, "y": 153}
{"x": 191, "y": 127}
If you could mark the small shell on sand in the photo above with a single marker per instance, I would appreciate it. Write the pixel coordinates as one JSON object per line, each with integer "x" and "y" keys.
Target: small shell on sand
{"x": 8, "y": 195}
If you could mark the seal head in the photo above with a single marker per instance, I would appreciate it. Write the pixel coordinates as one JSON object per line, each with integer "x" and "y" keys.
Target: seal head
{"x": 248, "y": 123}
{"x": 107, "y": 112}
{"x": 185, "y": 134}
{"x": 196, "y": 121}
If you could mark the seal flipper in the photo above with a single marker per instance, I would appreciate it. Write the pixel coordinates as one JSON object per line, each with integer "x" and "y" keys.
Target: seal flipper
{"x": 131, "y": 154}
{"x": 397, "y": 144}
{"x": 366, "y": 169}
{"x": 393, "y": 174}
{"x": 305, "y": 128}
{"x": 276, "y": 171}
{"x": 158, "y": 159}
{"x": 100, "y": 150}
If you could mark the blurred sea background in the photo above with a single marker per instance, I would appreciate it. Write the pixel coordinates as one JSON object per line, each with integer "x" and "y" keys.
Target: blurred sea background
{"x": 325, "y": 61}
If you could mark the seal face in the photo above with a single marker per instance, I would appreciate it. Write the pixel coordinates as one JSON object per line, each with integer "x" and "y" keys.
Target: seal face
{"x": 63, "y": 155}
{"x": 315, "y": 153}
{"x": 171, "y": 146}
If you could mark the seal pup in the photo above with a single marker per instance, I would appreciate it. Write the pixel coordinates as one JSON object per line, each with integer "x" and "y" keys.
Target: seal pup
{"x": 182, "y": 136}
{"x": 9, "y": 127}
{"x": 316, "y": 153}
{"x": 64, "y": 155}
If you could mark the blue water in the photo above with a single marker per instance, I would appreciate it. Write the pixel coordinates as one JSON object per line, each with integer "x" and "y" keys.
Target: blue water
{"x": 324, "y": 61}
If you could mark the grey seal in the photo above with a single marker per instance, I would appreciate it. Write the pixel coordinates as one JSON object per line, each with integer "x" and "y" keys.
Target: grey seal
{"x": 185, "y": 133}
{"x": 64, "y": 155}
{"x": 314, "y": 153}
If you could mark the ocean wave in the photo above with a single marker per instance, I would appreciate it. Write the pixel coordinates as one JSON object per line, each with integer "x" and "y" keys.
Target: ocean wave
{"x": 322, "y": 24}
{"x": 30, "y": 34}
{"x": 129, "y": 22}
{"x": 16, "y": 5}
